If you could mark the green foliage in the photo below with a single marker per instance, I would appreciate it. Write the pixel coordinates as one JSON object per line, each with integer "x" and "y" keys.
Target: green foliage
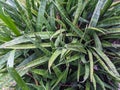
{"x": 60, "y": 44}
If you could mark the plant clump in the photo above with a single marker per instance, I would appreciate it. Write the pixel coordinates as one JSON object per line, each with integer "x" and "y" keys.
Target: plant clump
{"x": 60, "y": 44}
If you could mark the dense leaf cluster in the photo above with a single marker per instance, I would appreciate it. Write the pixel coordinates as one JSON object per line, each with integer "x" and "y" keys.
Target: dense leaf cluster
{"x": 60, "y": 44}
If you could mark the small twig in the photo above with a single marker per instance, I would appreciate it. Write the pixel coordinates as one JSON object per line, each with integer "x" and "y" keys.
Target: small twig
{"x": 36, "y": 82}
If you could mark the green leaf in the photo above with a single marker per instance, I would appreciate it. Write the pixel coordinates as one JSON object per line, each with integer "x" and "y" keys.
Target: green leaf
{"x": 9, "y": 22}
{"x": 96, "y": 14}
{"x": 78, "y": 11}
{"x": 58, "y": 41}
{"x": 40, "y": 17}
{"x": 27, "y": 46}
{"x": 75, "y": 47}
{"x": 53, "y": 58}
{"x": 71, "y": 59}
{"x": 17, "y": 78}
{"x": 59, "y": 79}
{"x": 24, "y": 15}
{"x": 74, "y": 28}
{"x": 27, "y": 60}
{"x": 99, "y": 81}
{"x": 42, "y": 72}
{"x": 97, "y": 41}
{"x": 106, "y": 67}
{"x": 28, "y": 6}
{"x": 112, "y": 21}
{"x": 26, "y": 38}
{"x": 78, "y": 71}
{"x": 106, "y": 6}
{"x": 112, "y": 31}
{"x": 56, "y": 70}
{"x": 10, "y": 62}
{"x": 36, "y": 62}
{"x": 94, "y": 83}
{"x": 108, "y": 62}
{"x": 14, "y": 73}
{"x": 69, "y": 2}
{"x": 96, "y": 29}
{"x": 87, "y": 85}
{"x": 91, "y": 65}
{"x": 87, "y": 71}
{"x": 57, "y": 33}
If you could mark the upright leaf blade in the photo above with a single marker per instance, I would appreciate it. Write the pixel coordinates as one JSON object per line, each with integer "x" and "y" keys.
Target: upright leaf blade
{"x": 40, "y": 17}
{"x": 87, "y": 72}
{"x": 9, "y": 22}
{"x": 14, "y": 73}
{"x": 78, "y": 11}
{"x": 96, "y": 14}
{"x": 17, "y": 78}
{"x": 53, "y": 58}
{"x": 99, "y": 81}
{"x": 91, "y": 65}
{"x": 108, "y": 62}
{"x": 10, "y": 61}
{"x": 107, "y": 4}
{"x": 74, "y": 28}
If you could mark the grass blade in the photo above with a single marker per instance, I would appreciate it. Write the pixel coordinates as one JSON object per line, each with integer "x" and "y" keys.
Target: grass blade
{"x": 10, "y": 61}
{"x": 97, "y": 41}
{"x": 87, "y": 87}
{"x": 91, "y": 65}
{"x": 17, "y": 78}
{"x": 36, "y": 62}
{"x": 28, "y": 6}
{"x": 87, "y": 71}
{"x": 94, "y": 83}
{"x": 107, "y": 4}
{"x": 9, "y": 22}
{"x": 106, "y": 68}
{"x": 107, "y": 61}
{"x": 112, "y": 21}
{"x": 96, "y": 14}
{"x": 78, "y": 71}
{"x": 78, "y": 11}
{"x": 59, "y": 79}
{"x": 99, "y": 81}
{"x": 27, "y": 38}
{"x": 14, "y": 73}
{"x": 53, "y": 58}
{"x": 27, "y": 46}
{"x": 74, "y": 28}
{"x": 40, "y": 17}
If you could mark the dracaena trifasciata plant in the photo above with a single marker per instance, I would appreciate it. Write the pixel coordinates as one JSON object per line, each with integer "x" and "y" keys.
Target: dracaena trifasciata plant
{"x": 60, "y": 44}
